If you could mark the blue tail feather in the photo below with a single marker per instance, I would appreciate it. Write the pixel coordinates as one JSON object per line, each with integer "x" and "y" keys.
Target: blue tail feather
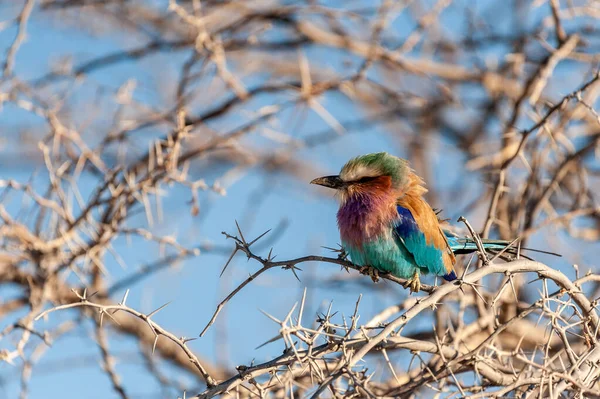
{"x": 465, "y": 245}
{"x": 450, "y": 276}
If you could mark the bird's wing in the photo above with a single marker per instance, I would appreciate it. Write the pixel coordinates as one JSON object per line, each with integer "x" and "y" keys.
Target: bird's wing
{"x": 418, "y": 229}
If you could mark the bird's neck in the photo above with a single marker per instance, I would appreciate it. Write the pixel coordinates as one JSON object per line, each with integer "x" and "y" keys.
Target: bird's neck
{"x": 364, "y": 217}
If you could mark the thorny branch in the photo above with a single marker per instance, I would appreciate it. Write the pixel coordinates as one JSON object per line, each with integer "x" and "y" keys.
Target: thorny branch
{"x": 170, "y": 107}
{"x": 454, "y": 362}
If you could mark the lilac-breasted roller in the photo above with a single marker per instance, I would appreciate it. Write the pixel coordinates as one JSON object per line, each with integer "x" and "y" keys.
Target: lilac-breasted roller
{"x": 385, "y": 223}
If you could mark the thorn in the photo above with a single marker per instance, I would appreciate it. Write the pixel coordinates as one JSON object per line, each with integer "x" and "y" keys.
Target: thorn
{"x": 154, "y": 344}
{"x": 228, "y": 261}
{"x": 122, "y": 303}
{"x": 240, "y": 231}
{"x": 158, "y": 310}
{"x": 293, "y": 268}
{"x": 275, "y": 338}
{"x": 276, "y": 320}
{"x": 259, "y": 237}
{"x": 331, "y": 249}
{"x": 301, "y": 310}
{"x": 479, "y": 294}
{"x": 289, "y": 315}
{"x": 185, "y": 340}
{"x": 111, "y": 317}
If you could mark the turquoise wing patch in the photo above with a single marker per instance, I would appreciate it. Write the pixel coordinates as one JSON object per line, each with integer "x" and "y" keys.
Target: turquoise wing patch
{"x": 428, "y": 258}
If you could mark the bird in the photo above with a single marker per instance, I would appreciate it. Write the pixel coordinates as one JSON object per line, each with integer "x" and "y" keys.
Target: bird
{"x": 385, "y": 223}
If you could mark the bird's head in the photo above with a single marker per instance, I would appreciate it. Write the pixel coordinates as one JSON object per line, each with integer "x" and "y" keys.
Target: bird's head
{"x": 372, "y": 173}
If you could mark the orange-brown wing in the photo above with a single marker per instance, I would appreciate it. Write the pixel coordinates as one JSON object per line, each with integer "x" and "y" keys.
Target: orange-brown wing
{"x": 434, "y": 238}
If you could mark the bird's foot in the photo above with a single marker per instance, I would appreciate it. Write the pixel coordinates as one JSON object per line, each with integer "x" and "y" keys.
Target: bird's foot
{"x": 371, "y": 272}
{"x": 414, "y": 283}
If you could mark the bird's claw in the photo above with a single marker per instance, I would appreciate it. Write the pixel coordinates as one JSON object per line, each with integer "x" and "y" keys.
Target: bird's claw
{"x": 371, "y": 272}
{"x": 414, "y": 283}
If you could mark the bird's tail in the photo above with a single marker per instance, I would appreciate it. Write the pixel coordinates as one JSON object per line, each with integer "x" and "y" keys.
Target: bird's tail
{"x": 466, "y": 245}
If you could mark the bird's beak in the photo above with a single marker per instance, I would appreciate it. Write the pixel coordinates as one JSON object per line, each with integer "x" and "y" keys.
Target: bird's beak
{"x": 329, "y": 181}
